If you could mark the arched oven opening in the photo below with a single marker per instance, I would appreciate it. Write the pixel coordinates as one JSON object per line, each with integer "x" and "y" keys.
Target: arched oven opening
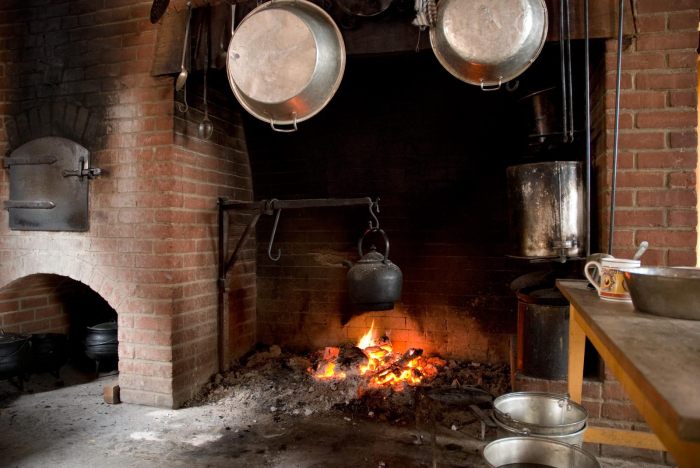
{"x": 55, "y": 331}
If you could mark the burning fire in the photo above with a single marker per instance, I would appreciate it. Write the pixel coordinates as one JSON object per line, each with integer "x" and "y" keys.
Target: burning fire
{"x": 374, "y": 359}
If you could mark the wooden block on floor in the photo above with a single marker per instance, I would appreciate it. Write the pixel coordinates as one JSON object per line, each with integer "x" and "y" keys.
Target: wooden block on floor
{"x": 111, "y": 393}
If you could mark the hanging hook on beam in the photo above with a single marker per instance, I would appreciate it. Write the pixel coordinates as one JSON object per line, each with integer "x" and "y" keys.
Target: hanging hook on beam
{"x": 272, "y": 238}
{"x": 373, "y": 210}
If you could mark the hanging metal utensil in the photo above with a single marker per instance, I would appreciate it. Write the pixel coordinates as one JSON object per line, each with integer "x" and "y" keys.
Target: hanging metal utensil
{"x": 566, "y": 78}
{"x": 182, "y": 77}
{"x": 205, "y": 128}
{"x": 158, "y": 9}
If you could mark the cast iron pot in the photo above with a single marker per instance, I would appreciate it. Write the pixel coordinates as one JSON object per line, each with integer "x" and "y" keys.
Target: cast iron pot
{"x": 49, "y": 352}
{"x": 101, "y": 341}
{"x": 15, "y": 354}
{"x": 374, "y": 283}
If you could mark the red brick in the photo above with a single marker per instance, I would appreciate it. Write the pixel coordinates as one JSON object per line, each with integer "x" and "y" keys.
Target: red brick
{"x": 14, "y": 318}
{"x": 33, "y": 302}
{"x": 685, "y": 20}
{"x": 667, "y": 160}
{"x": 683, "y": 218}
{"x": 667, "y": 119}
{"x": 626, "y": 120}
{"x": 687, "y": 139}
{"x": 639, "y": 140}
{"x": 625, "y": 80}
{"x": 682, "y": 257}
{"x": 670, "y": 198}
{"x": 682, "y": 179}
{"x": 682, "y": 59}
{"x": 658, "y": 6}
{"x": 638, "y": 99}
{"x": 640, "y": 218}
{"x": 667, "y": 41}
{"x": 9, "y": 306}
{"x": 651, "y": 23}
{"x": 688, "y": 98}
{"x": 640, "y": 179}
{"x": 637, "y": 61}
{"x": 669, "y": 238}
{"x": 620, "y": 411}
{"x": 659, "y": 80}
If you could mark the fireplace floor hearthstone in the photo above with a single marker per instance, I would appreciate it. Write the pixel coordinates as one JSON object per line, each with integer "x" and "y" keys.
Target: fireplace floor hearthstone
{"x": 268, "y": 412}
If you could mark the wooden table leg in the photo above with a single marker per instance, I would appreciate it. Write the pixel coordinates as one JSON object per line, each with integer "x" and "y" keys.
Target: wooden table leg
{"x": 577, "y": 349}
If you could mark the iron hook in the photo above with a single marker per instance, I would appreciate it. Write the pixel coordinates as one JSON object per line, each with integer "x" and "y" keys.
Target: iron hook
{"x": 372, "y": 207}
{"x": 272, "y": 238}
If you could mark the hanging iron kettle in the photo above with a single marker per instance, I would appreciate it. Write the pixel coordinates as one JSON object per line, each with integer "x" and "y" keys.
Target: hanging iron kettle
{"x": 374, "y": 283}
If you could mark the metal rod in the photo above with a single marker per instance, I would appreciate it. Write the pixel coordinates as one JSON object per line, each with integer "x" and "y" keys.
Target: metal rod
{"x": 266, "y": 205}
{"x": 569, "y": 79}
{"x": 244, "y": 238}
{"x": 562, "y": 58}
{"x": 587, "y": 105}
{"x": 616, "y": 130}
{"x": 223, "y": 247}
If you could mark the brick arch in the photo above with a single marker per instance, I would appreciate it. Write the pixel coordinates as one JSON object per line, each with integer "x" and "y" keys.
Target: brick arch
{"x": 56, "y": 118}
{"x": 58, "y": 263}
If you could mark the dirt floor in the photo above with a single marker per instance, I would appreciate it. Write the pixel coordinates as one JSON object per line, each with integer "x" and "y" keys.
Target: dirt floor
{"x": 267, "y": 414}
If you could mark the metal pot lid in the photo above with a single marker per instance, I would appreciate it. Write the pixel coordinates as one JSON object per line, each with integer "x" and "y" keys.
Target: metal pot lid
{"x": 8, "y": 338}
{"x": 273, "y": 56}
{"x": 372, "y": 257}
{"x": 540, "y": 413}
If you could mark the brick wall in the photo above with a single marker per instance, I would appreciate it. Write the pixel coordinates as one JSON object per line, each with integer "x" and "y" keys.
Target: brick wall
{"x": 210, "y": 169}
{"x": 657, "y": 197}
{"x": 658, "y": 164}
{"x": 80, "y": 69}
{"x": 33, "y": 305}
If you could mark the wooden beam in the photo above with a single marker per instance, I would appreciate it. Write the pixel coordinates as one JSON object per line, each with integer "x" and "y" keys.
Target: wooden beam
{"x": 624, "y": 437}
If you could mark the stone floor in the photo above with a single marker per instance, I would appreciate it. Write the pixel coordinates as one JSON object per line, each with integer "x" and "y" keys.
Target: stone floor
{"x": 71, "y": 426}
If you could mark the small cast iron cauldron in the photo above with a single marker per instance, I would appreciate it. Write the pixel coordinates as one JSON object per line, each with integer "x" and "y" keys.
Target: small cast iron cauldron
{"x": 101, "y": 342}
{"x": 374, "y": 283}
{"x": 15, "y": 355}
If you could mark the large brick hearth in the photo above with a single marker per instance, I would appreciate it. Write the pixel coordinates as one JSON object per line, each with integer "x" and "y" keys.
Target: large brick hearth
{"x": 82, "y": 70}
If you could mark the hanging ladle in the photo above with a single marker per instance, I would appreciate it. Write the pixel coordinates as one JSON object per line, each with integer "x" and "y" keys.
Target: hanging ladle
{"x": 205, "y": 128}
{"x": 182, "y": 77}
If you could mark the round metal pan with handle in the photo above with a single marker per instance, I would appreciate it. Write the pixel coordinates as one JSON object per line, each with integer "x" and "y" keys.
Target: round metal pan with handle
{"x": 285, "y": 62}
{"x": 487, "y": 43}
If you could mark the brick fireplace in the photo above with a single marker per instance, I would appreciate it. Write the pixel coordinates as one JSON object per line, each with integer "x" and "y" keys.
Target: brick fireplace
{"x": 400, "y": 128}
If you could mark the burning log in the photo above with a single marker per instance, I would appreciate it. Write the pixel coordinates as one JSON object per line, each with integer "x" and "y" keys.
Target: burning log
{"x": 376, "y": 361}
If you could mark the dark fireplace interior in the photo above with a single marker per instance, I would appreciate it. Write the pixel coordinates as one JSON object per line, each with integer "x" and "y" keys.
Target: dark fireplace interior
{"x": 438, "y": 165}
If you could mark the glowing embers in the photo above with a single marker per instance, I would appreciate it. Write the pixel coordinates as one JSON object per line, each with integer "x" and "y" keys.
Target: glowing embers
{"x": 373, "y": 359}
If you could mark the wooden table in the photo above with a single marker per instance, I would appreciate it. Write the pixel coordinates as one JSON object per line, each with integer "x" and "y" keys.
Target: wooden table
{"x": 657, "y": 361}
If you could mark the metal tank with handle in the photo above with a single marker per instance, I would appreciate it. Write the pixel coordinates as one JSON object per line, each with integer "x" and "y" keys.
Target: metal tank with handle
{"x": 547, "y": 205}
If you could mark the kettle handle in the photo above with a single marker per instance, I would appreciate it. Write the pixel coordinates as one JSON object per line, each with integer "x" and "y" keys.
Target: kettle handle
{"x": 386, "y": 242}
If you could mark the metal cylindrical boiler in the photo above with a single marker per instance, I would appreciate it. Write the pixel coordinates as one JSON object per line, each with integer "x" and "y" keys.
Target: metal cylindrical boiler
{"x": 543, "y": 333}
{"x": 546, "y": 202}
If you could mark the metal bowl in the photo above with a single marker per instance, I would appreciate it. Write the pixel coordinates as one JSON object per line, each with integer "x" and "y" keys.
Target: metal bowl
{"x": 285, "y": 61}
{"x": 537, "y": 451}
{"x": 539, "y": 413}
{"x": 487, "y": 43}
{"x": 669, "y": 292}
